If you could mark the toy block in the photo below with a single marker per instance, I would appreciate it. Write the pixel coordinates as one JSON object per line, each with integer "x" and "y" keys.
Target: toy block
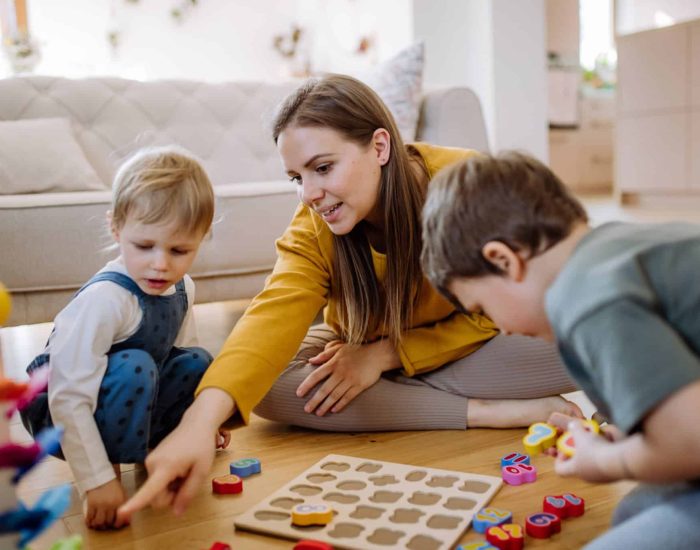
{"x": 508, "y": 536}
{"x": 542, "y": 525}
{"x": 565, "y": 443}
{"x": 227, "y": 485}
{"x": 5, "y": 304}
{"x": 312, "y": 514}
{"x": 14, "y": 455}
{"x": 489, "y": 517}
{"x": 312, "y": 545}
{"x": 38, "y": 382}
{"x": 513, "y": 459}
{"x": 245, "y": 467}
{"x": 540, "y": 437}
{"x": 517, "y": 475}
{"x": 565, "y": 506}
{"x": 220, "y": 546}
{"x": 9, "y": 389}
{"x": 477, "y": 545}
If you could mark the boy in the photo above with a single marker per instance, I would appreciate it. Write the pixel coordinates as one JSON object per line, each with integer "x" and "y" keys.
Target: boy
{"x": 503, "y": 235}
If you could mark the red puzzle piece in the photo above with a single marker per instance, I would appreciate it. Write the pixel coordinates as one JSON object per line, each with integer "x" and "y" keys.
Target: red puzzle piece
{"x": 312, "y": 545}
{"x": 508, "y": 536}
{"x": 542, "y": 525}
{"x": 565, "y": 506}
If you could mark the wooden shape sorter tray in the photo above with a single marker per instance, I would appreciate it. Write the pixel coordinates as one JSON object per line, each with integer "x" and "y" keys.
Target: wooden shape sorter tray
{"x": 377, "y": 505}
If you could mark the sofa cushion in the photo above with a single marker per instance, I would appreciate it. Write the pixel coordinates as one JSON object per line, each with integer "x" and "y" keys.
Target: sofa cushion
{"x": 42, "y": 155}
{"x": 399, "y": 82}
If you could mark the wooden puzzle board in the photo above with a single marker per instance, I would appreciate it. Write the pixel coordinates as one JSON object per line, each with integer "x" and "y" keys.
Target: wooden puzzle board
{"x": 378, "y": 505}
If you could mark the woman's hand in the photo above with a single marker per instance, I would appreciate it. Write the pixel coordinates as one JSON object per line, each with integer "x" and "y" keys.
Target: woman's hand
{"x": 178, "y": 466}
{"x": 346, "y": 371}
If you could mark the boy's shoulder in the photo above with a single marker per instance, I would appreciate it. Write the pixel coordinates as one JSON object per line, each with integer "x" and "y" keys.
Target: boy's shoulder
{"x": 617, "y": 261}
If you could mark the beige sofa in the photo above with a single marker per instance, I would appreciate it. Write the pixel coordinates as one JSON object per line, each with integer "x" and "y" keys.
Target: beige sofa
{"x": 50, "y": 243}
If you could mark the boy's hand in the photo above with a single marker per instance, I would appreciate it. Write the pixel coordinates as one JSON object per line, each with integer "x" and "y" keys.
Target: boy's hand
{"x": 347, "y": 371}
{"x": 597, "y": 459}
{"x": 101, "y": 504}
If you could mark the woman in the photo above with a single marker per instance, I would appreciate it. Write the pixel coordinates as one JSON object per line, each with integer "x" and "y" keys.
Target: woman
{"x": 393, "y": 353}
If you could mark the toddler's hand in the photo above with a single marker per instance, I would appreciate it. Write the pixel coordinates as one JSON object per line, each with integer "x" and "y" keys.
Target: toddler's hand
{"x": 223, "y": 438}
{"x": 100, "y": 506}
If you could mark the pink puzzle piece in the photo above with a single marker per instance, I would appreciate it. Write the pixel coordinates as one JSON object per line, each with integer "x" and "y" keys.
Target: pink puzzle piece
{"x": 517, "y": 475}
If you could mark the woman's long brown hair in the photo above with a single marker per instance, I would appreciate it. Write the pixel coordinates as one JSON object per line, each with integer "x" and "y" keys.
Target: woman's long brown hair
{"x": 355, "y": 111}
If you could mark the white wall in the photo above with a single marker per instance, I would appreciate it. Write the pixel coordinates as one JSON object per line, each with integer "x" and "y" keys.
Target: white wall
{"x": 216, "y": 40}
{"x": 637, "y": 15}
{"x": 498, "y": 49}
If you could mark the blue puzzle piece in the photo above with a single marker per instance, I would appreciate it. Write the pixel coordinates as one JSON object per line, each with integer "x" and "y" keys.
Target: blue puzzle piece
{"x": 245, "y": 467}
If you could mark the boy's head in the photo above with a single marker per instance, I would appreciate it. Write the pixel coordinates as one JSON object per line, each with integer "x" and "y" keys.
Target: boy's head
{"x": 163, "y": 184}
{"x": 162, "y": 207}
{"x": 484, "y": 221}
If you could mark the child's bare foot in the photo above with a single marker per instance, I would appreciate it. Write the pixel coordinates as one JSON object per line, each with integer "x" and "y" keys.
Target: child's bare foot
{"x": 515, "y": 413}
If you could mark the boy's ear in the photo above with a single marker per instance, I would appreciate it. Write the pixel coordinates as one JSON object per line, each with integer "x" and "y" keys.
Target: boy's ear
{"x": 505, "y": 259}
{"x": 381, "y": 141}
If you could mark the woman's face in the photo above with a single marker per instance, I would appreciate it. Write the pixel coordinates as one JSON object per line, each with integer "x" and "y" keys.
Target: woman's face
{"x": 337, "y": 178}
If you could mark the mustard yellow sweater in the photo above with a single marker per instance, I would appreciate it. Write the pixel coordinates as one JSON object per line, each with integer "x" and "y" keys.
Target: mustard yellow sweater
{"x": 270, "y": 332}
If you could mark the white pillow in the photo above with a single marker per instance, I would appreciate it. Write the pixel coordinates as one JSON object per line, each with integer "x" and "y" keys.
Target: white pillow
{"x": 399, "y": 82}
{"x": 42, "y": 155}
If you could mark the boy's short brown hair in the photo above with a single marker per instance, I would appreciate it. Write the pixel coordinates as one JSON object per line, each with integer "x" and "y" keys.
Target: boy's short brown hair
{"x": 163, "y": 184}
{"x": 512, "y": 198}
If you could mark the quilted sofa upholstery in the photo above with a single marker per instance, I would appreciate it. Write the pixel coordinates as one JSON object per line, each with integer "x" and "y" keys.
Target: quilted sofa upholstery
{"x": 50, "y": 243}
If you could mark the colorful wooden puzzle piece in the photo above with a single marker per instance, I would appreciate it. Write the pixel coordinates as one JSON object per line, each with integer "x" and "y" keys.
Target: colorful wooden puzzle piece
{"x": 508, "y": 536}
{"x": 227, "y": 485}
{"x": 477, "y": 545}
{"x": 565, "y": 506}
{"x": 513, "y": 459}
{"x": 312, "y": 545}
{"x": 312, "y": 514}
{"x": 489, "y": 517}
{"x": 565, "y": 443}
{"x": 540, "y": 437}
{"x": 245, "y": 467}
{"x": 220, "y": 546}
{"x": 517, "y": 475}
{"x": 542, "y": 525}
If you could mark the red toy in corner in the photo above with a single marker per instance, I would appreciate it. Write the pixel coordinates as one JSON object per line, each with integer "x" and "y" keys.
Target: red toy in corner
{"x": 220, "y": 546}
{"x": 312, "y": 545}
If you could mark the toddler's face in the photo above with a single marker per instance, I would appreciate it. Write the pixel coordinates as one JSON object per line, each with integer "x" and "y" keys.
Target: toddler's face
{"x": 517, "y": 308}
{"x": 156, "y": 256}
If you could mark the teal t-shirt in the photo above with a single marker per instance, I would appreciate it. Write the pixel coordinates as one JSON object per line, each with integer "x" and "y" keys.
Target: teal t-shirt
{"x": 626, "y": 315}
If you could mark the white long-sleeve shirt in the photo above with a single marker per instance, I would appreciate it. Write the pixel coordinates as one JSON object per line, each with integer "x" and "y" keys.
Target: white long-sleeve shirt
{"x": 101, "y": 315}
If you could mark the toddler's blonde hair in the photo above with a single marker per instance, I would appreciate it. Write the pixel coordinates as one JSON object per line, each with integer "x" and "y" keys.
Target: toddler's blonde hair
{"x": 161, "y": 185}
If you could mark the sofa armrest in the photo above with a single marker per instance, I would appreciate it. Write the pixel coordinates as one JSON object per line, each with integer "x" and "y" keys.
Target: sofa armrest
{"x": 452, "y": 117}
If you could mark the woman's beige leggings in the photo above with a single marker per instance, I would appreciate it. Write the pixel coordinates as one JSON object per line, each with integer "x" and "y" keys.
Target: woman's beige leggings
{"x": 506, "y": 367}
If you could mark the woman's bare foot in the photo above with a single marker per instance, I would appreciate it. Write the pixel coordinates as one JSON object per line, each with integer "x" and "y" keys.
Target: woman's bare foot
{"x": 516, "y": 413}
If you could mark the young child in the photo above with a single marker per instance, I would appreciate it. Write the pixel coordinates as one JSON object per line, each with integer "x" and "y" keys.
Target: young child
{"x": 502, "y": 235}
{"x": 123, "y": 363}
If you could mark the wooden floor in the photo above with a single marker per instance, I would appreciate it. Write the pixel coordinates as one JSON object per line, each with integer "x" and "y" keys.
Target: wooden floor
{"x": 285, "y": 452}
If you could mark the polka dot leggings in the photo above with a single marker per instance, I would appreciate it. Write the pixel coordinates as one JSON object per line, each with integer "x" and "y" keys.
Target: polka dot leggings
{"x": 139, "y": 403}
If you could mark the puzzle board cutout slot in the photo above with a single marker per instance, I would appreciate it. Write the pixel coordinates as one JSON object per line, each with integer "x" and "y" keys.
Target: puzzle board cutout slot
{"x": 378, "y": 505}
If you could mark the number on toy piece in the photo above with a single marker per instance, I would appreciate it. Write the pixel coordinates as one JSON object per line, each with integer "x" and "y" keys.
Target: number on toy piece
{"x": 508, "y": 536}
{"x": 227, "y": 485}
{"x": 513, "y": 459}
{"x": 542, "y": 525}
{"x": 312, "y": 545}
{"x": 220, "y": 546}
{"x": 245, "y": 467}
{"x": 565, "y": 443}
{"x": 477, "y": 545}
{"x": 311, "y": 514}
{"x": 564, "y": 506}
{"x": 489, "y": 517}
{"x": 517, "y": 475}
{"x": 540, "y": 437}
